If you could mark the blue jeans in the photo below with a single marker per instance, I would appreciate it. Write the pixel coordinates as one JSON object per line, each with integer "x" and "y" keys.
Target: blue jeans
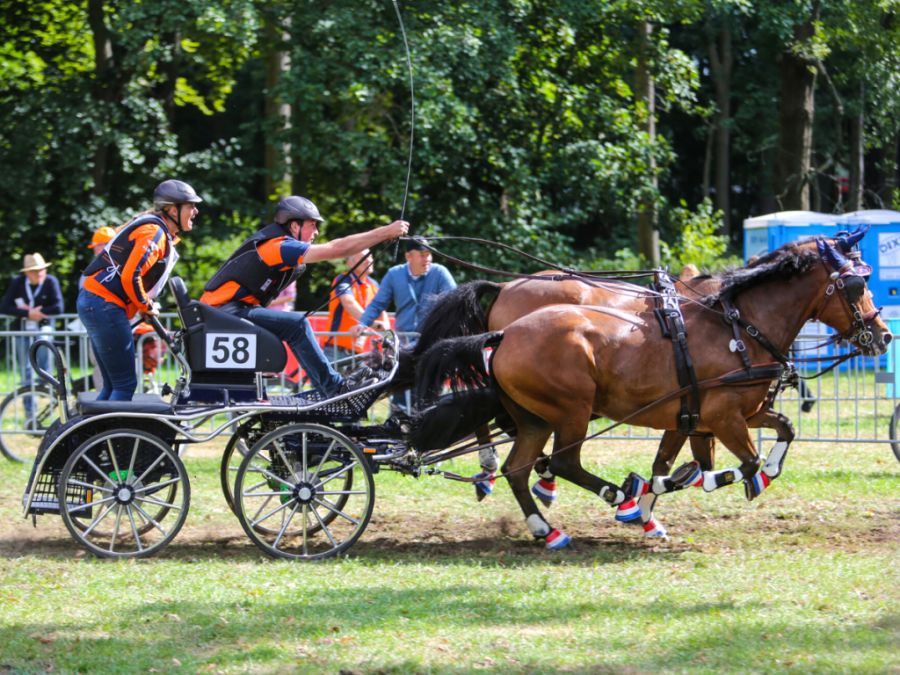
{"x": 110, "y": 331}
{"x": 296, "y": 331}
{"x": 23, "y": 346}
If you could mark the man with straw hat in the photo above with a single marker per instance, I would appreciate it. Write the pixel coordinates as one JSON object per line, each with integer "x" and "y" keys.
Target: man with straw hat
{"x": 32, "y": 298}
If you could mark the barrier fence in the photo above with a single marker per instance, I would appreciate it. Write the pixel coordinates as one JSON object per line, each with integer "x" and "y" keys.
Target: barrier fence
{"x": 855, "y": 403}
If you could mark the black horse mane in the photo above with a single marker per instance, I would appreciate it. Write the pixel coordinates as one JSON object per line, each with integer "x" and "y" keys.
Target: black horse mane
{"x": 785, "y": 263}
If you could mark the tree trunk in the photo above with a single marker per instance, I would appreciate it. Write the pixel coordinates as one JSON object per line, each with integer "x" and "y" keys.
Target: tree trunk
{"x": 648, "y": 234}
{"x": 796, "y": 112}
{"x": 721, "y": 61}
{"x": 103, "y": 65}
{"x": 278, "y": 115}
{"x": 857, "y": 154}
{"x": 707, "y": 159}
{"x": 890, "y": 170}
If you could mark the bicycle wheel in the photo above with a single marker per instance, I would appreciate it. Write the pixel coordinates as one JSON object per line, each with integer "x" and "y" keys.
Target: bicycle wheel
{"x": 24, "y": 417}
{"x": 115, "y": 480}
{"x": 285, "y": 485}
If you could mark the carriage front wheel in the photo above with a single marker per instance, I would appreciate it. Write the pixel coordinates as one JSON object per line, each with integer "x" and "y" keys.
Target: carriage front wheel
{"x": 304, "y": 492}
{"x": 114, "y": 488}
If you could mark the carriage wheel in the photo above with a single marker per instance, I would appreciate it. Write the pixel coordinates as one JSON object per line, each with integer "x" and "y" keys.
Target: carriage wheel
{"x": 114, "y": 488}
{"x": 309, "y": 487}
{"x": 237, "y": 448}
{"x": 22, "y": 447}
{"x": 895, "y": 446}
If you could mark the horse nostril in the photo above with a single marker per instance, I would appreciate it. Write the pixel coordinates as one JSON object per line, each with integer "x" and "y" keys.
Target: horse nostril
{"x": 887, "y": 339}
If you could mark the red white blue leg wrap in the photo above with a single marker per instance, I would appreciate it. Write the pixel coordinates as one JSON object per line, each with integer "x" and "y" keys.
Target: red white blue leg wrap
{"x": 557, "y": 540}
{"x": 486, "y": 484}
{"x": 545, "y": 490}
{"x": 653, "y": 528}
{"x": 628, "y": 511}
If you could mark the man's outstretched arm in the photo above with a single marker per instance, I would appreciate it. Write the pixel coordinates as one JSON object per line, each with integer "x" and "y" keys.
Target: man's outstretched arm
{"x": 354, "y": 243}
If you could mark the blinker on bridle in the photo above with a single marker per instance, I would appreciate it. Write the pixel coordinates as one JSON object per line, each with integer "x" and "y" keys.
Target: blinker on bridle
{"x": 850, "y": 278}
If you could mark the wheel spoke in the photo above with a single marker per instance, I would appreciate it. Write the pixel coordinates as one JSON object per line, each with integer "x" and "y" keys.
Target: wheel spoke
{"x": 337, "y": 511}
{"x": 137, "y": 442}
{"x": 90, "y": 504}
{"x": 115, "y": 532}
{"x": 322, "y": 463}
{"x": 284, "y": 459}
{"x": 99, "y": 518}
{"x": 272, "y": 475}
{"x": 137, "y": 536}
{"x": 157, "y": 502}
{"x": 156, "y": 487}
{"x": 337, "y": 474}
{"x": 75, "y": 481}
{"x": 96, "y": 468}
{"x": 273, "y": 512}
{"x": 284, "y": 525}
{"x": 342, "y": 492}
{"x": 150, "y": 520}
{"x": 306, "y": 524}
{"x": 323, "y": 526}
{"x": 260, "y": 510}
{"x": 112, "y": 457}
{"x": 304, "y": 456}
{"x": 150, "y": 468}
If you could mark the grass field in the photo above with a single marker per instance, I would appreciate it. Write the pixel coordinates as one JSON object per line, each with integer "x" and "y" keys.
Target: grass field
{"x": 806, "y": 579}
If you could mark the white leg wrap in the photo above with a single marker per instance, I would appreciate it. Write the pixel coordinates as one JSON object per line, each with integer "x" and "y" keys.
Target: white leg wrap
{"x": 614, "y": 498}
{"x": 537, "y": 525}
{"x": 546, "y": 475}
{"x": 658, "y": 485}
{"x": 489, "y": 459}
{"x": 646, "y": 504}
{"x": 773, "y": 463}
{"x": 716, "y": 479}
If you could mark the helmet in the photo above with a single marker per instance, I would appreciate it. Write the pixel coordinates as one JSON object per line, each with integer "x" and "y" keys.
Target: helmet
{"x": 101, "y": 236}
{"x": 174, "y": 192}
{"x": 296, "y": 208}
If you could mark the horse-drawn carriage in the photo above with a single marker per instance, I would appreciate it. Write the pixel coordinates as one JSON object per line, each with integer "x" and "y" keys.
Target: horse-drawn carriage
{"x": 300, "y": 466}
{"x": 298, "y": 470}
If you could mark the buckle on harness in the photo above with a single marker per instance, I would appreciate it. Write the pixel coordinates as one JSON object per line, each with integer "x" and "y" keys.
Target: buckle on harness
{"x": 737, "y": 346}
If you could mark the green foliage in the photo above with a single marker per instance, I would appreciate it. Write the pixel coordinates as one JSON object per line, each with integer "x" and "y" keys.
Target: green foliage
{"x": 697, "y": 242}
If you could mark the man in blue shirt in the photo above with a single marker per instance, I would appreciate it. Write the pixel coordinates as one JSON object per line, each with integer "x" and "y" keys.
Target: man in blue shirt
{"x": 413, "y": 287}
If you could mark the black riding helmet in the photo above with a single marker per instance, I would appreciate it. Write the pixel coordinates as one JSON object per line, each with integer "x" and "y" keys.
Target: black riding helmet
{"x": 175, "y": 193}
{"x": 296, "y": 208}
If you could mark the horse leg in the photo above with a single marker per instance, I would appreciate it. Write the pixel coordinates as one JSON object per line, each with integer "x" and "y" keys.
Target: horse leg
{"x": 735, "y": 435}
{"x": 531, "y": 437}
{"x": 771, "y": 465}
{"x": 489, "y": 460}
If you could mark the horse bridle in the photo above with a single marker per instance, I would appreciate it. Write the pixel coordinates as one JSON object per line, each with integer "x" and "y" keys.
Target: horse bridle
{"x": 851, "y": 281}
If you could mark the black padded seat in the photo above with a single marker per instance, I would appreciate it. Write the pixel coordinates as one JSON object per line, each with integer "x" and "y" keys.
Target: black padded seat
{"x": 87, "y": 404}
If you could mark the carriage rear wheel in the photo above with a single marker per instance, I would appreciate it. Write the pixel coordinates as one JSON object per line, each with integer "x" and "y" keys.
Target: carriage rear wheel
{"x": 115, "y": 490}
{"x": 895, "y": 445}
{"x": 304, "y": 492}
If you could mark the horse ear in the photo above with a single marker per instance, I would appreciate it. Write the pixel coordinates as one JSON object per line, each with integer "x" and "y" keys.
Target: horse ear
{"x": 848, "y": 241}
{"x": 830, "y": 254}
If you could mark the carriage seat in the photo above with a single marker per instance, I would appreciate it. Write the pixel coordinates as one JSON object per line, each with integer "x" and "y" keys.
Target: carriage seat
{"x": 222, "y": 350}
{"x": 87, "y": 404}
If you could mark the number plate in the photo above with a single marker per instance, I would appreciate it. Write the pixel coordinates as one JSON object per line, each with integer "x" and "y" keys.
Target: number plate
{"x": 230, "y": 350}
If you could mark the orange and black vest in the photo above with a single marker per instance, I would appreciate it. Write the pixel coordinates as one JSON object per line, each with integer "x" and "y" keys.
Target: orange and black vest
{"x": 339, "y": 321}
{"x": 247, "y": 268}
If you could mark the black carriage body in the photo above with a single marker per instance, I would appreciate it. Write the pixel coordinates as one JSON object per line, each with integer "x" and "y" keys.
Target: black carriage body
{"x": 71, "y": 436}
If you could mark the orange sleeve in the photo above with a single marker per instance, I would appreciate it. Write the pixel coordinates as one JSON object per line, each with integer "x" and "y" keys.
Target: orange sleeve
{"x": 149, "y": 245}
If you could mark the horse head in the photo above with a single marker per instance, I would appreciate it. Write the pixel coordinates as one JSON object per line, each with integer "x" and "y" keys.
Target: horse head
{"x": 847, "y": 304}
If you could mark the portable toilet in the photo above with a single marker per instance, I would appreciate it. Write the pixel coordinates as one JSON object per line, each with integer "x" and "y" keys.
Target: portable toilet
{"x": 880, "y": 248}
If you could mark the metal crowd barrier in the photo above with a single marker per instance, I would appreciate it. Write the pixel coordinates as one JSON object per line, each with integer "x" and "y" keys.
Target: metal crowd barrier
{"x": 16, "y": 394}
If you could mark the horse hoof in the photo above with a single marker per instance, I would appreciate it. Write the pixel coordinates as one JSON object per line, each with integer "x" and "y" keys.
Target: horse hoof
{"x": 687, "y": 475}
{"x": 545, "y": 490}
{"x": 628, "y": 512}
{"x": 485, "y": 486}
{"x": 557, "y": 540}
{"x": 653, "y": 528}
{"x": 754, "y": 487}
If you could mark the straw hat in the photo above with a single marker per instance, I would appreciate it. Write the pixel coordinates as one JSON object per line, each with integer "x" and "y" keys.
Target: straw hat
{"x": 34, "y": 262}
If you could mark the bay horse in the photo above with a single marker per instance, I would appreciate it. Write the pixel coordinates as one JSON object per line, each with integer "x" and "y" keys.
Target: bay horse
{"x": 556, "y": 367}
{"x": 459, "y": 313}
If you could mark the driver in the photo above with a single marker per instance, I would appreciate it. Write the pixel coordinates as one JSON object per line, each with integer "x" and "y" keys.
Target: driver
{"x": 269, "y": 261}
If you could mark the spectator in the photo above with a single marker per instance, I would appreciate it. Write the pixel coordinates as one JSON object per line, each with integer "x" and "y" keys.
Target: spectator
{"x": 352, "y": 294}
{"x": 284, "y": 301}
{"x": 689, "y": 271}
{"x": 412, "y": 287}
{"x": 32, "y": 298}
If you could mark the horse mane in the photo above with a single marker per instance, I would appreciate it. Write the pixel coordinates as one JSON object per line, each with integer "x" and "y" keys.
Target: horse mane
{"x": 785, "y": 263}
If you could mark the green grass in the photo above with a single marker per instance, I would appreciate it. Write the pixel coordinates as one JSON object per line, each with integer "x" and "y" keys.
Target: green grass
{"x": 805, "y": 579}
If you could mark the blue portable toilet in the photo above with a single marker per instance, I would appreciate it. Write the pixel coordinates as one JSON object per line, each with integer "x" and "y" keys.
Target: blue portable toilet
{"x": 880, "y": 248}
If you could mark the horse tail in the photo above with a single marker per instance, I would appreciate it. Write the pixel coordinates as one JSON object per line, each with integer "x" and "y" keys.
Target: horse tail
{"x": 453, "y": 418}
{"x": 459, "y": 359}
{"x": 455, "y": 313}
